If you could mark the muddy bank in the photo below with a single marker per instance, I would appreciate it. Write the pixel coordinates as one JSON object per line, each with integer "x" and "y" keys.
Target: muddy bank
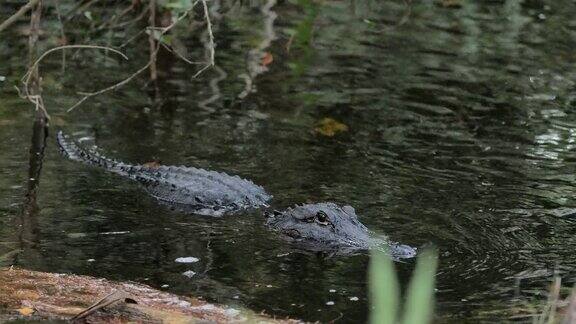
{"x": 40, "y": 295}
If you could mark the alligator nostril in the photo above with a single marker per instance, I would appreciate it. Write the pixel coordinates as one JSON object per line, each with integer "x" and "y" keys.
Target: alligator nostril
{"x": 292, "y": 233}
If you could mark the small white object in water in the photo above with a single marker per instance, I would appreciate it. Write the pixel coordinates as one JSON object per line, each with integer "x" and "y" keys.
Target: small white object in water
{"x": 330, "y": 303}
{"x": 76, "y": 235}
{"x": 164, "y": 286}
{"x": 332, "y": 290}
{"x": 115, "y": 233}
{"x": 354, "y": 298}
{"x": 187, "y": 260}
{"x": 2, "y": 78}
{"x": 188, "y": 273}
{"x": 268, "y": 286}
{"x": 90, "y": 260}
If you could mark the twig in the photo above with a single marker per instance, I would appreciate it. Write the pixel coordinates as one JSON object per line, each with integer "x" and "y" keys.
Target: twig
{"x": 34, "y": 95}
{"x": 164, "y": 30}
{"x": 210, "y": 41}
{"x": 107, "y": 300}
{"x": 32, "y": 75}
{"x": 62, "y": 34}
{"x": 115, "y": 18}
{"x": 79, "y": 7}
{"x": 88, "y": 95}
{"x": 18, "y": 14}
{"x": 152, "y": 42}
{"x": 210, "y": 34}
{"x": 140, "y": 17}
{"x": 254, "y": 65}
{"x": 132, "y": 38}
{"x": 180, "y": 56}
{"x": 26, "y": 78}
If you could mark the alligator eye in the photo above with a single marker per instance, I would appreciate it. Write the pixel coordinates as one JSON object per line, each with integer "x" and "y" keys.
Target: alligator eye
{"x": 322, "y": 217}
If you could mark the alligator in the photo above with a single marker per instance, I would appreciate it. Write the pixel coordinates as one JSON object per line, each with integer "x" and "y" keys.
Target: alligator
{"x": 317, "y": 227}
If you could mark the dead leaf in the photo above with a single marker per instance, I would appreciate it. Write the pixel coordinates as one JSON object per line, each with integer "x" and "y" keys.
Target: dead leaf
{"x": 330, "y": 127}
{"x": 26, "y": 311}
{"x": 267, "y": 59}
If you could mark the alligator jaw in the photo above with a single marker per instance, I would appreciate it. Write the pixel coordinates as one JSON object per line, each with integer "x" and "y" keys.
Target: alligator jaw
{"x": 331, "y": 228}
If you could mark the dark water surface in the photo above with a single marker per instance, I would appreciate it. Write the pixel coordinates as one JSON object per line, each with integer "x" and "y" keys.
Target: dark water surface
{"x": 461, "y": 133}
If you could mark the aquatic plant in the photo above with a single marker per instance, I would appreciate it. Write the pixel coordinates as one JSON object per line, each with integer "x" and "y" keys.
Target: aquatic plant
{"x": 384, "y": 290}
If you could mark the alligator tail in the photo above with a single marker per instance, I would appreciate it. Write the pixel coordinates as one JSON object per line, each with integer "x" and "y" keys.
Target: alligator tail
{"x": 70, "y": 149}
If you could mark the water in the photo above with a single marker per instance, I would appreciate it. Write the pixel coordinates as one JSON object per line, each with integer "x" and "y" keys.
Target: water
{"x": 459, "y": 133}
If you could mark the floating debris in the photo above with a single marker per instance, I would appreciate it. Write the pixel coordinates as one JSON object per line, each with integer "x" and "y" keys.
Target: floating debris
{"x": 332, "y": 290}
{"x": 187, "y": 260}
{"x": 330, "y": 303}
{"x": 115, "y": 233}
{"x": 76, "y": 235}
{"x": 354, "y": 298}
{"x": 330, "y": 127}
{"x": 189, "y": 273}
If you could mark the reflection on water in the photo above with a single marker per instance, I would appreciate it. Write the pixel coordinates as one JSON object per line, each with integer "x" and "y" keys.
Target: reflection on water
{"x": 460, "y": 133}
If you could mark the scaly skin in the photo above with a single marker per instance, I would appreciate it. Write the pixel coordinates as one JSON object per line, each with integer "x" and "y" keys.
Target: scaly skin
{"x": 330, "y": 228}
{"x": 189, "y": 189}
{"x": 318, "y": 227}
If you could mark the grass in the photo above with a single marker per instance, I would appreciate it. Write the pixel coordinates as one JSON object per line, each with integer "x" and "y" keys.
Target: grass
{"x": 418, "y": 307}
{"x": 385, "y": 293}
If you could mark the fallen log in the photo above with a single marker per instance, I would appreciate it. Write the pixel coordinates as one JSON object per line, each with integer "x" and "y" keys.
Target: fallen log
{"x": 41, "y": 295}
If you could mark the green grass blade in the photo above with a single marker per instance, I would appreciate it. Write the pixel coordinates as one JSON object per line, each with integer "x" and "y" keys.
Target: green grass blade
{"x": 420, "y": 299}
{"x": 384, "y": 291}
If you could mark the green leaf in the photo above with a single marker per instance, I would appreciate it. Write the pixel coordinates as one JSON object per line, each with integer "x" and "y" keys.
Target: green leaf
{"x": 420, "y": 299}
{"x": 384, "y": 291}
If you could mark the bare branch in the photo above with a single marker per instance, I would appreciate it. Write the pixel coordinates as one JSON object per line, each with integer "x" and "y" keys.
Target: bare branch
{"x": 152, "y": 42}
{"x": 88, "y": 95}
{"x": 21, "y": 12}
{"x": 210, "y": 34}
{"x": 26, "y": 78}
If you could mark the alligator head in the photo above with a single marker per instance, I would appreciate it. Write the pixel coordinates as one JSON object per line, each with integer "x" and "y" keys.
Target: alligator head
{"x": 329, "y": 227}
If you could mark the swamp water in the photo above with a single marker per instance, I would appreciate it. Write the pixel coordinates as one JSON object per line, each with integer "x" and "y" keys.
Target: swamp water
{"x": 453, "y": 124}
